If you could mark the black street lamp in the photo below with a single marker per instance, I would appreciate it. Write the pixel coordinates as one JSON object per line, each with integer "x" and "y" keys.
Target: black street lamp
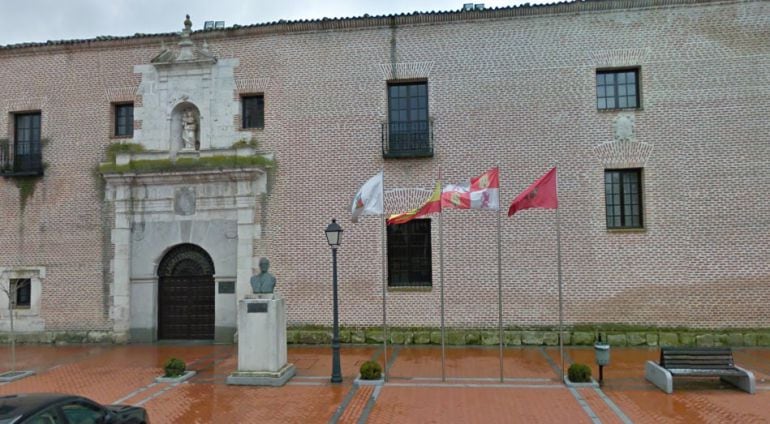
{"x": 334, "y": 237}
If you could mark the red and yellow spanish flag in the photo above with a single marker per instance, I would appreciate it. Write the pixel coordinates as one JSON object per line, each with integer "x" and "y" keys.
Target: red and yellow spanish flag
{"x": 433, "y": 204}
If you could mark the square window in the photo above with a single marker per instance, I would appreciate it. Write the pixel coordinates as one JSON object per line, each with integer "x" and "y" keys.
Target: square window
{"x": 409, "y": 254}
{"x": 623, "y": 184}
{"x": 253, "y": 114}
{"x": 124, "y": 120}
{"x": 617, "y": 89}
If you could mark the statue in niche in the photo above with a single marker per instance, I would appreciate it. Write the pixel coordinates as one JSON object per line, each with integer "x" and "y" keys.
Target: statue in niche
{"x": 189, "y": 130}
{"x": 264, "y": 282}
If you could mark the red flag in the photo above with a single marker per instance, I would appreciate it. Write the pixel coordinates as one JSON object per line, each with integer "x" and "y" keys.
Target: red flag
{"x": 541, "y": 194}
{"x": 433, "y": 204}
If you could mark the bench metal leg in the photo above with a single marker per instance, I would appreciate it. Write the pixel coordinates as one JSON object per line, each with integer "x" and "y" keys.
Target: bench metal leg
{"x": 659, "y": 376}
{"x": 745, "y": 382}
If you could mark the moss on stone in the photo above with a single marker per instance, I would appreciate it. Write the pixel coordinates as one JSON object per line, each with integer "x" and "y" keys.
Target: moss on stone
{"x": 26, "y": 186}
{"x": 512, "y": 338}
{"x": 490, "y": 338}
{"x": 651, "y": 339}
{"x": 357, "y": 336}
{"x": 668, "y": 339}
{"x": 763, "y": 339}
{"x": 637, "y": 339}
{"x": 374, "y": 336}
{"x": 551, "y": 338}
{"x": 616, "y": 339}
{"x": 315, "y": 337}
{"x": 116, "y": 148}
{"x": 704, "y": 340}
{"x": 583, "y": 338}
{"x": 472, "y": 337}
{"x": 186, "y": 164}
{"x": 422, "y": 337}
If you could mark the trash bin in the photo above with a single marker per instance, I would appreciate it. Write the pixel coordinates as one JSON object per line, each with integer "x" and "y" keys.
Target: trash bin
{"x": 602, "y": 352}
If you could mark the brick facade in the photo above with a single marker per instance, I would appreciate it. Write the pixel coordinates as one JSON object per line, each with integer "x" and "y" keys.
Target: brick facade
{"x": 513, "y": 88}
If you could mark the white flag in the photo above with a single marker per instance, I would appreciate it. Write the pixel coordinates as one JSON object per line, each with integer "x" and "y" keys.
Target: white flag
{"x": 368, "y": 200}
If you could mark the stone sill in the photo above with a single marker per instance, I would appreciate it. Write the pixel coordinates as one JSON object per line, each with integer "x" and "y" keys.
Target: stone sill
{"x": 626, "y": 230}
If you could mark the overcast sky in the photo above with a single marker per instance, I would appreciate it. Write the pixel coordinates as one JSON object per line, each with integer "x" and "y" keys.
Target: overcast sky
{"x": 41, "y": 20}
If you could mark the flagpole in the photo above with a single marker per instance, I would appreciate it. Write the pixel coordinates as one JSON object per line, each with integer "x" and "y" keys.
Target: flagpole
{"x": 499, "y": 283}
{"x": 558, "y": 261}
{"x": 441, "y": 280}
{"x": 384, "y": 285}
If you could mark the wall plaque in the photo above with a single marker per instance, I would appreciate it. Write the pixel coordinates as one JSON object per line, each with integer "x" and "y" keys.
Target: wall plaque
{"x": 252, "y": 308}
{"x": 227, "y": 287}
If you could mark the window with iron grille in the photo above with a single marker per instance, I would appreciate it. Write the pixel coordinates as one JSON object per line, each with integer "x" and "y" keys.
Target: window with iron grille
{"x": 253, "y": 115}
{"x": 408, "y": 123}
{"x": 409, "y": 254}
{"x": 21, "y": 292}
{"x": 623, "y": 198}
{"x": 124, "y": 120}
{"x": 617, "y": 89}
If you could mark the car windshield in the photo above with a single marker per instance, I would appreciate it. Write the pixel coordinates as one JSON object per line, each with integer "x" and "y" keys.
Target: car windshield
{"x": 10, "y": 420}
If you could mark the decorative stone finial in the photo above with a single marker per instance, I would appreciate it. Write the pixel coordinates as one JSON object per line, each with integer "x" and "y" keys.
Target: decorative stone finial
{"x": 187, "y": 23}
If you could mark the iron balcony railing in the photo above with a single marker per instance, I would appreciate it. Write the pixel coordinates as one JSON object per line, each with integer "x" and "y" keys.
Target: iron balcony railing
{"x": 20, "y": 159}
{"x": 408, "y": 139}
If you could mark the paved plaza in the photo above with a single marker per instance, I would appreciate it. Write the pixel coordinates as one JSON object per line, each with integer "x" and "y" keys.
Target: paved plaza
{"x": 472, "y": 393}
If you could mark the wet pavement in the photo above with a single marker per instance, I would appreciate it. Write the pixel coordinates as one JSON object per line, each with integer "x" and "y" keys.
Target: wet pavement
{"x": 470, "y": 391}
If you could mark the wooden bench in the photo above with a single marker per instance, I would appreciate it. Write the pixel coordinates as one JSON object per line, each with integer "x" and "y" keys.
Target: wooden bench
{"x": 697, "y": 362}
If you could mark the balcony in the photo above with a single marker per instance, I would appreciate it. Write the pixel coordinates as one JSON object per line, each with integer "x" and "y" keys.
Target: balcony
{"x": 20, "y": 159}
{"x": 409, "y": 139}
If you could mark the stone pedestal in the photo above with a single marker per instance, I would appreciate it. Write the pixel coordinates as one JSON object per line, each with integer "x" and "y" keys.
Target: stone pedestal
{"x": 262, "y": 358}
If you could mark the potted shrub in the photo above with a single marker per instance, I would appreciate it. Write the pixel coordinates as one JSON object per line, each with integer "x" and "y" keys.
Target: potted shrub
{"x": 174, "y": 371}
{"x": 579, "y": 375}
{"x": 370, "y": 374}
{"x": 174, "y": 367}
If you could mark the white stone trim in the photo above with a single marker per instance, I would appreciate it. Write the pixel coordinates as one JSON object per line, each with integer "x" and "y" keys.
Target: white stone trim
{"x": 28, "y": 319}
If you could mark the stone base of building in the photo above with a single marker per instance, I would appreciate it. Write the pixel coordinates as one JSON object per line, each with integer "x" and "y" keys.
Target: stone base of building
{"x": 636, "y": 337}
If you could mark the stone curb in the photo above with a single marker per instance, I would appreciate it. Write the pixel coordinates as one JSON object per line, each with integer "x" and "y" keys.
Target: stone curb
{"x": 568, "y": 383}
{"x": 184, "y": 377}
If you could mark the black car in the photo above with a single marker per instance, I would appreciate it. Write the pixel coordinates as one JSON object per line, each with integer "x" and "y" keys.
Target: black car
{"x": 57, "y": 408}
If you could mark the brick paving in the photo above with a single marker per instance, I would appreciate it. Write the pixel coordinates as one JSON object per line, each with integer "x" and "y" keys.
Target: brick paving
{"x": 415, "y": 393}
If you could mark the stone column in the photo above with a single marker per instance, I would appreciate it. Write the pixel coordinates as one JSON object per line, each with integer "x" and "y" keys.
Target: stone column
{"x": 121, "y": 265}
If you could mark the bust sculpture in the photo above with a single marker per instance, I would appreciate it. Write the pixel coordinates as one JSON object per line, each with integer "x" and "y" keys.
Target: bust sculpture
{"x": 189, "y": 130}
{"x": 264, "y": 282}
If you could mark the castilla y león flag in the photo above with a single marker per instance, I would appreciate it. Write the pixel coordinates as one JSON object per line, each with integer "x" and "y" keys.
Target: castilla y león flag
{"x": 541, "y": 194}
{"x": 481, "y": 193}
{"x": 433, "y": 204}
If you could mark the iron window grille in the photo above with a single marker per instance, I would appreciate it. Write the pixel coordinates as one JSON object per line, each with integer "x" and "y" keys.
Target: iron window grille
{"x": 409, "y": 254}
{"x": 617, "y": 89}
{"x": 623, "y": 198}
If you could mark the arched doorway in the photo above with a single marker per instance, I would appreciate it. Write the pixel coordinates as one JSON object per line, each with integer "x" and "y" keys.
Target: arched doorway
{"x": 186, "y": 294}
